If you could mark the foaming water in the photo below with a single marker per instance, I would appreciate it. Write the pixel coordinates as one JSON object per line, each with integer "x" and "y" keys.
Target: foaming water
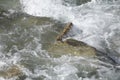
{"x": 97, "y": 22}
{"x": 23, "y": 39}
{"x": 45, "y": 8}
{"x": 21, "y": 44}
{"x": 71, "y": 68}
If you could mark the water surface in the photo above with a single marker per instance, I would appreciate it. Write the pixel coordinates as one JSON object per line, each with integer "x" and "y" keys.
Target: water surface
{"x": 28, "y": 27}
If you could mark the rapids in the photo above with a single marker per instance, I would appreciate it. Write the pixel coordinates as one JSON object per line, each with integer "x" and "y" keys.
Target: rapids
{"x": 27, "y": 27}
{"x": 97, "y": 22}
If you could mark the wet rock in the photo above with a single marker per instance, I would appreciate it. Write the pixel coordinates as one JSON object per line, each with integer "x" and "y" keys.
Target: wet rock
{"x": 11, "y": 72}
{"x": 72, "y": 47}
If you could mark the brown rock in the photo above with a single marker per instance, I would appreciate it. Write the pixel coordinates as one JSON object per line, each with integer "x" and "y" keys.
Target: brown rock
{"x": 11, "y": 72}
{"x": 71, "y": 47}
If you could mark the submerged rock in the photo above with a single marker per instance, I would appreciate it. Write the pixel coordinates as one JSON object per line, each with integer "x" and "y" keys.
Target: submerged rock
{"x": 65, "y": 46}
{"x": 11, "y": 72}
{"x": 72, "y": 47}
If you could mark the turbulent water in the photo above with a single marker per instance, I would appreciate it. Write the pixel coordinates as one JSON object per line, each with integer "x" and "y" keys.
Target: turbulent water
{"x": 97, "y": 21}
{"x": 27, "y": 27}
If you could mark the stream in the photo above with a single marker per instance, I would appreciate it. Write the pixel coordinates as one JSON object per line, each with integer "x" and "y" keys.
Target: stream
{"x": 28, "y": 27}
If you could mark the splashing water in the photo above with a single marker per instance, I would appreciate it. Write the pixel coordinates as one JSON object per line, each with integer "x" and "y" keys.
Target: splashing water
{"x": 98, "y": 20}
{"x": 23, "y": 38}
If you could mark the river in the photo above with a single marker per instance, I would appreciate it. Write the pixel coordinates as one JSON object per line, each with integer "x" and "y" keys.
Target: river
{"x": 28, "y": 27}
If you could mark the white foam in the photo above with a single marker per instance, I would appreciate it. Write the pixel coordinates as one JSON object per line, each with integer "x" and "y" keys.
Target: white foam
{"x": 65, "y": 70}
{"x": 46, "y": 8}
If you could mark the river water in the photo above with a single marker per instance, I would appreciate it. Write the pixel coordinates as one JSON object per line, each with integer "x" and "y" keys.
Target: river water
{"x": 27, "y": 27}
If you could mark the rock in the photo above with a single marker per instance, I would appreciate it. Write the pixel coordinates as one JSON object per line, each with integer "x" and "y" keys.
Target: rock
{"x": 71, "y": 47}
{"x": 11, "y": 72}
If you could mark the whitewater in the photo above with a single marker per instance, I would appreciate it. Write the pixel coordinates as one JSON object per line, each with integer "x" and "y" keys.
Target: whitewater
{"x": 96, "y": 22}
{"x": 28, "y": 27}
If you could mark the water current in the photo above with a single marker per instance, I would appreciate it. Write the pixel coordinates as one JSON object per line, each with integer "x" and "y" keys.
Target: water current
{"x": 28, "y": 27}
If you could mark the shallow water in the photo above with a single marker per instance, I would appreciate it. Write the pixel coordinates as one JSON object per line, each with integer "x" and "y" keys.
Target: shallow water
{"x": 28, "y": 27}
